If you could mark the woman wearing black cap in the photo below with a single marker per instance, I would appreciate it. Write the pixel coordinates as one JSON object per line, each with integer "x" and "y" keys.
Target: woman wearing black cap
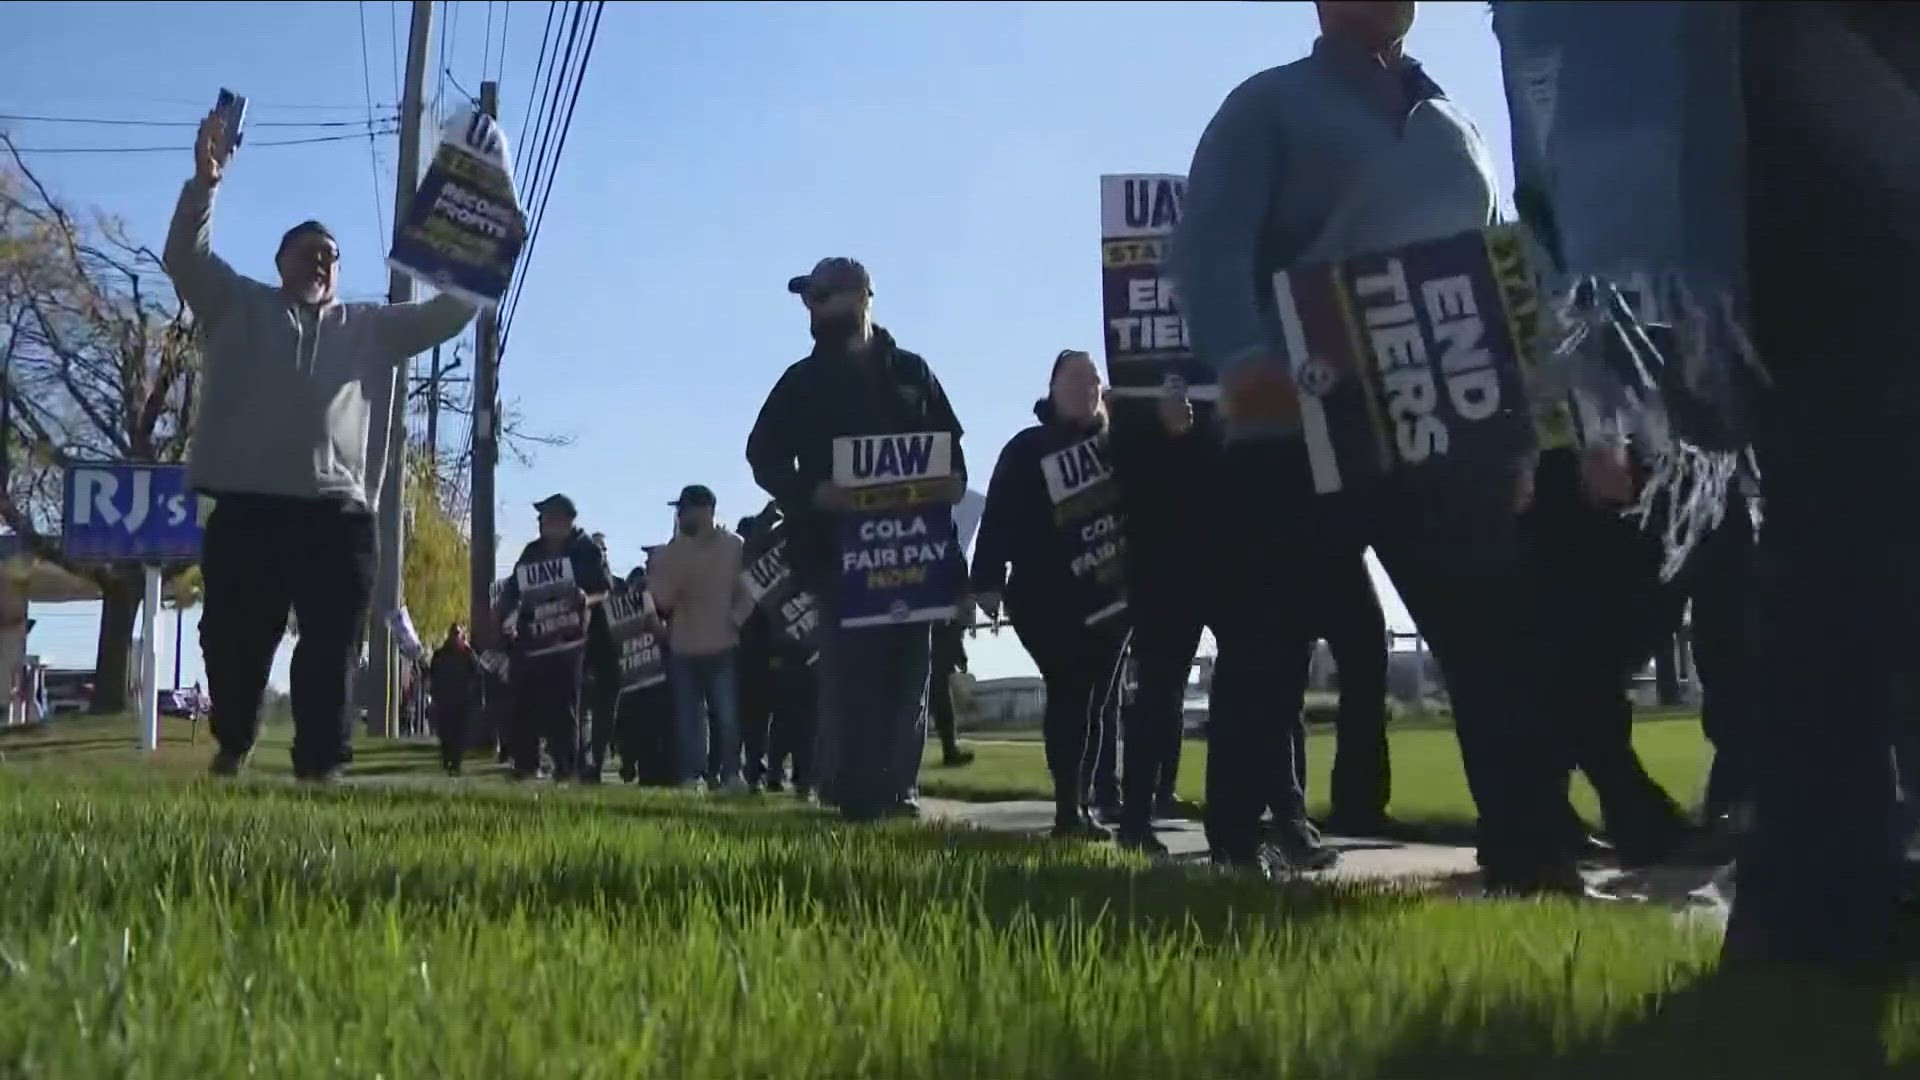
{"x": 1048, "y": 607}
{"x": 555, "y": 582}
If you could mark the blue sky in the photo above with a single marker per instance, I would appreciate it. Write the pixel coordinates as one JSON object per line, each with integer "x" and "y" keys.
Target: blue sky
{"x": 718, "y": 149}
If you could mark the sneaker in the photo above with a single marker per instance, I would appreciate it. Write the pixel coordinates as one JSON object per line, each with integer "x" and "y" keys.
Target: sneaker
{"x": 1561, "y": 881}
{"x": 735, "y": 785}
{"x": 956, "y": 758}
{"x": 905, "y": 808}
{"x": 628, "y": 773}
{"x": 320, "y": 778}
{"x": 1143, "y": 843}
{"x": 1076, "y": 825}
{"x": 775, "y": 783}
{"x": 1172, "y": 806}
{"x": 227, "y": 763}
{"x": 1107, "y": 811}
{"x": 1298, "y": 845}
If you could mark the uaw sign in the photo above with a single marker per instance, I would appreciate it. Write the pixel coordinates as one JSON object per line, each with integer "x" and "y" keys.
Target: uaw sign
{"x": 1146, "y": 333}
{"x": 643, "y": 660}
{"x": 900, "y": 556}
{"x": 1086, "y": 510}
{"x": 1413, "y": 356}
{"x": 793, "y": 612}
{"x": 128, "y": 512}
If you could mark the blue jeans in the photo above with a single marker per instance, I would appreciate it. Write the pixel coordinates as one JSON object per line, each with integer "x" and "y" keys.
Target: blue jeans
{"x": 705, "y": 685}
{"x": 873, "y": 714}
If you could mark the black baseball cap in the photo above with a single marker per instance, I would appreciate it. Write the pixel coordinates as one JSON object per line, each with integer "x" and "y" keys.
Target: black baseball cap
{"x": 695, "y": 495}
{"x": 558, "y": 504}
{"x": 836, "y": 274}
{"x": 305, "y": 228}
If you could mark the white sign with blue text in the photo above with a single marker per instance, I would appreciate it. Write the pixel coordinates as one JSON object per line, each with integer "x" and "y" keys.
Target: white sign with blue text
{"x": 900, "y": 558}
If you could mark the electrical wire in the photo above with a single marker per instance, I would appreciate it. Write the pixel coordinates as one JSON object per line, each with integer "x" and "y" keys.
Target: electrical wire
{"x": 539, "y": 71}
{"x": 187, "y": 149}
{"x": 506, "y": 17}
{"x": 373, "y": 148}
{"x": 566, "y": 127}
{"x": 552, "y": 91}
{"x": 107, "y": 122}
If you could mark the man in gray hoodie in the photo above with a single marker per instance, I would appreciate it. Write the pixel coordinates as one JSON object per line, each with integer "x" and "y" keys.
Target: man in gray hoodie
{"x": 281, "y": 443}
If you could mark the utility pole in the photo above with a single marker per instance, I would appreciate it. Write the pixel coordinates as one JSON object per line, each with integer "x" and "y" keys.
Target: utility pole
{"x": 433, "y": 415}
{"x": 382, "y": 657}
{"x": 486, "y": 445}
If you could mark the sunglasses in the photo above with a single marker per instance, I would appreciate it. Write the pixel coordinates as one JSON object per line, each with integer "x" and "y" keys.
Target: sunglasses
{"x": 823, "y": 293}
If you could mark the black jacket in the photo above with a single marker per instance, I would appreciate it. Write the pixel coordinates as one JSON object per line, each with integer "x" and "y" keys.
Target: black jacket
{"x": 454, "y": 677}
{"x": 828, "y": 396}
{"x": 1017, "y": 528}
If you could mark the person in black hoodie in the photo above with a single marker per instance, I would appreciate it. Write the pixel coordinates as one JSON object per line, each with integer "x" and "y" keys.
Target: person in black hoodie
{"x": 556, "y": 582}
{"x": 1080, "y": 664}
{"x": 856, "y": 381}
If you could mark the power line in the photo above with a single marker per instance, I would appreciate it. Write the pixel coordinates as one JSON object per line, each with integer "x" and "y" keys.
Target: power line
{"x": 566, "y": 126}
{"x": 112, "y": 122}
{"x": 506, "y": 17}
{"x": 393, "y": 47}
{"x": 373, "y": 149}
{"x": 486, "y": 46}
{"x": 186, "y": 149}
{"x": 539, "y": 71}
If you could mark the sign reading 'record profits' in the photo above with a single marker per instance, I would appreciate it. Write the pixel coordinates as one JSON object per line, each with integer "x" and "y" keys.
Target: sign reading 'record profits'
{"x": 1411, "y": 356}
{"x": 1086, "y": 510}
{"x": 132, "y": 513}
{"x": 900, "y": 556}
{"x": 1146, "y": 334}
{"x": 557, "y": 612}
{"x": 642, "y": 661}
{"x": 793, "y": 612}
{"x": 464, "y": 229}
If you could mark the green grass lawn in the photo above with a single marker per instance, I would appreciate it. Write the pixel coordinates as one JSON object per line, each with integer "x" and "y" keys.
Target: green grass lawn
{"x": 157, "y": 924}
{"x": 1429, "y": 788}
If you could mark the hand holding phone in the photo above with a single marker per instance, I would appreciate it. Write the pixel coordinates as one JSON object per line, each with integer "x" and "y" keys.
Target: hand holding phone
{"x": 220, "y": 135}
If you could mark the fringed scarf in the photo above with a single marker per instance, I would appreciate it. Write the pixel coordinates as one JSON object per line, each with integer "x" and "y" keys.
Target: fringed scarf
{"x": 1628, "y": 148}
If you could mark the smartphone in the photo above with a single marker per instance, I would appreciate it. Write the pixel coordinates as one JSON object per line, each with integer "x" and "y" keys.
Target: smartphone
{"x": 231, "y": 108}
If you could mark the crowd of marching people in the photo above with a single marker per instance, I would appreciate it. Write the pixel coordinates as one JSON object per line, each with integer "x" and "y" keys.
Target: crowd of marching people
{"x": 1130, "y": 519}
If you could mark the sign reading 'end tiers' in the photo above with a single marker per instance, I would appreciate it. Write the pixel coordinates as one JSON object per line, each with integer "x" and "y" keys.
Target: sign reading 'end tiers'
{"x": 1412, "y": 356}
{"x": 900, "y": 556}
{"x": 643, "y": 661}
{"x": 1086, "y": 510}
{"x": 1146, "y": 334}
{"x": 792, "y": 611}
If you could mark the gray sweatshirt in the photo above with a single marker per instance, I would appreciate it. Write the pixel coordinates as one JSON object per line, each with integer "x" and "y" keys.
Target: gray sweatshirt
{"x": 285, "y": 390}
{"x": 1332, "y": 156}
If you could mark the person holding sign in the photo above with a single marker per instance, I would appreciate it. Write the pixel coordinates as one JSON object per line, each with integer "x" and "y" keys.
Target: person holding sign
{"x": 281, "y": 443}
{"x": 556, "y": 581}
{"x": 1053, "y": 516}
{"x": 860, "y": 401}
{"x": 455, "y": 678}
{"x": 1354, "y": 151}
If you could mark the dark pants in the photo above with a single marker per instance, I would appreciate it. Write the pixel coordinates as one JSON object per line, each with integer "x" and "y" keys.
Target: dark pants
{"x": 1348, "y": 618}
{"x": 603, "y": 687}
{"x": 758, "y": 699}
{"x": 1600, "y": 609}
{"x": 1449, "y": 540}
{"x": 1080, "y": 666}
{"x": 940, "y": 696}
{"x": 1831, "y": 265}
{"x": 452, "y": 722}
{"x": 872, "y": 713}
{"x": 1167, "y": 488}
{"x": 795, "y": 719}
{"x": 546, "y": 705}
{"x": 1105, "y": 792}
{"x": 1718, "y": 581}
{"x": 264, "y": 555}
{"x": 646, "y": 735}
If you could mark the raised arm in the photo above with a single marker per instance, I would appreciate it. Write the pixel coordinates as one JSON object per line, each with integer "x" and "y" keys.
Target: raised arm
{"x": 407, "y": 330}
{"x": 203, "y": 279}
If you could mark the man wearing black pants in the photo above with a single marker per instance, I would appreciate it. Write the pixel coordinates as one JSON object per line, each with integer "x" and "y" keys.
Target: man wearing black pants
{"x": 1347, "y": 616}
{"x": 281, "y": 444}
{"x": 949, "y": 658}
{"x": 1165, "y": 457}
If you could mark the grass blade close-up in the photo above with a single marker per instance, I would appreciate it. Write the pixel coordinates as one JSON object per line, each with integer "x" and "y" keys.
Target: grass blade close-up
{"x": 155, "y": 923}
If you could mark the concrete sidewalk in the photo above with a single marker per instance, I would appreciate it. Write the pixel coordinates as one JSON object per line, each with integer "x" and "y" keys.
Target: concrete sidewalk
{"x": 1442, "y": 868}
